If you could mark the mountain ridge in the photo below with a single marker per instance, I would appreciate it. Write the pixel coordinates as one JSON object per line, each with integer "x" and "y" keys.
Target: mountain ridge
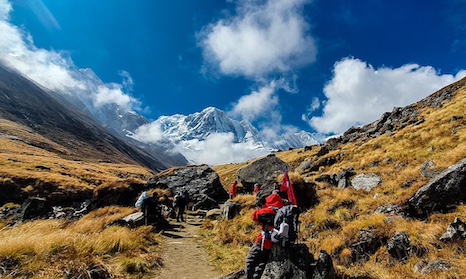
{"x": 49, "y": 115}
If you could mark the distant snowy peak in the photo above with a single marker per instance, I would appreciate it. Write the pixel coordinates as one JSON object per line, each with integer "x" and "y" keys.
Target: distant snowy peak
{"x": 202, "y": 124}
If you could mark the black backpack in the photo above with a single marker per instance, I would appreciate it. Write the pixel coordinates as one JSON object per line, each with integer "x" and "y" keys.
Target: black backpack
{"x": 288, "y": 214}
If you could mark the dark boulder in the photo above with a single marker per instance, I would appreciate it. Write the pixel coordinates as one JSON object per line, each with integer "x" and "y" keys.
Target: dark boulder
{"x": 327, "y": 179}
{"x": 324, "y": 150}
{"x": 455, "y": 231}
{"x": 323, "y": 267}
{"x": 200, "y": 181}
{"x": 343, "y": 178}
{"x": 294, "y": 262}
{"x": 399, "y": 246}
{"x": 442, "y": 194}
{"x": 367, "y": 244}
{"x": 261, "y": 171}
{"x": 289, "y": 263}
{"x": 36, "y": 208}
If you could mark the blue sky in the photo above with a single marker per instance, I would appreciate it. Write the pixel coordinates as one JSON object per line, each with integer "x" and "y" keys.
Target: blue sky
{"x": 285, "y": 65}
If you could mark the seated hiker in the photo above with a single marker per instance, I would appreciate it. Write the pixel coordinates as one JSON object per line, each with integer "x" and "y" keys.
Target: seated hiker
{"x": 259, "y": 253}
{"x": 180, "y": 203}
{"x": 233, "y": 189}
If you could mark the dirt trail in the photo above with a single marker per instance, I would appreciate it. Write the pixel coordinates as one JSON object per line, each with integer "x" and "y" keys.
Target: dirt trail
{"x": 182, "y": 256}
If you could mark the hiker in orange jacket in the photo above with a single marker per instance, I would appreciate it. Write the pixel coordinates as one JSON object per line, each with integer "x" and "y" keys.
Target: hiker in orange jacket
{"x": 233, "y": 189}
{"x": 259, "y": 253}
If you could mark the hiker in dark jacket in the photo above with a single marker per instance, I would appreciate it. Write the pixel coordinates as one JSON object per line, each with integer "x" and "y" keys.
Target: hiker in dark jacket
{"x": 258, "y": 255}
{"x": 180, "y": 203}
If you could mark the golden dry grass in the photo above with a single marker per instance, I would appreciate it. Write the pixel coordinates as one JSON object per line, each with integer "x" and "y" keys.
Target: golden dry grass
{"x": 62, "y": 249}
{"x": 333, "y": 225}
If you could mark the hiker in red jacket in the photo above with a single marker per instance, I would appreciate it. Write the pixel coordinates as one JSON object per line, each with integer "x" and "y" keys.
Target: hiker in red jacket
{"x": 259, "y": 253}
{"x": 233, "y": 189}
{"x": 257, "y": 188}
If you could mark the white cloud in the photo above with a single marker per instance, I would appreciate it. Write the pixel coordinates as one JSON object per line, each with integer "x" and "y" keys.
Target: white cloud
{"x": 5, "y": 9}
{"x": 149, "y": 133}
{"x": 257, "y": 103}
{"x": 359, "y": 94}
{"x": 263, "y": 38}
{"x": 55, "y": 70}
{"x": 220, "y": 149}
{"x": 111, "y": 94}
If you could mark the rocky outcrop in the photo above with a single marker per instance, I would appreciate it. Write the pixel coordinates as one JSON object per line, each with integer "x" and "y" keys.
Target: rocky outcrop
{"x": 263, "y": 171}
{"x": 397, "y": 119}
{"x": 289, "y": 263}
{"x": 294, "y": 262}
{"x": 456, "y": 231}
{"x": 366, "y": 182}
{"x": 425, "y": 267}
{"x": 399, "y": 246}
{"x": 442, "y": 194}
{"x": 365, "y": 246}
{"x": 200, "y": 181}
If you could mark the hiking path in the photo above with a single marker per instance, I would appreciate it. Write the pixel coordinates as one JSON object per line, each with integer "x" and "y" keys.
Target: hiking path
{"x": 183, "y": 257}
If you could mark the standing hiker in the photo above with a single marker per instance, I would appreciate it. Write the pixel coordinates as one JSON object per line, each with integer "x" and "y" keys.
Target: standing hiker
{"x": 233, "y": 189}
{"x": 180, "y": 202}
{"x": 258, "y": 255}
{"x": 257, "y": 188}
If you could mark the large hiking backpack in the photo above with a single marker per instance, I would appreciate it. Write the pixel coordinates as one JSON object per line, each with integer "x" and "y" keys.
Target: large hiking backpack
{"x": 287, "y": 223}
{"x": 180, "y": 199}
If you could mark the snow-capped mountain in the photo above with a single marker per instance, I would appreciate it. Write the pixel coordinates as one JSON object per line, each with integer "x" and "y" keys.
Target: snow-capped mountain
{"x": 209, "y": 136}
{"x": 189, "y": 132}
{"x": 200, "y": 125}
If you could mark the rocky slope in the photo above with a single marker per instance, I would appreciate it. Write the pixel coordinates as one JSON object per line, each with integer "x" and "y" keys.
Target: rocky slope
{"x": 50, "y": 116}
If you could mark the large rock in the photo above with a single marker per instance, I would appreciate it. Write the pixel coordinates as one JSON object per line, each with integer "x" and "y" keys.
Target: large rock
{"x": 367, "y": 244}
{"x": 294, "y": 262}
{"x": 342, "y": 179}
{"x": 261, "y": 171}
{"x": 399, "y": 246}
{"x": 455, "y": 231}
{"x": 36, "y": 208}
{"x": 441, "y": 194}
{"x": 366, "y": 182}
{"x": 425, "y": 267}
{"x": 288, "y": 263}
{"x": 202, "y": 183}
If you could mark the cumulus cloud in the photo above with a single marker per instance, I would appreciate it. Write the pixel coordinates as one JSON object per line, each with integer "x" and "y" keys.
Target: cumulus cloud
{"x": 149, "y": 133}
{"x": 262, "y": 38}
{"x": 220, "y": 148}
{"x": 359, "y": 94}
{"x": 55, "y": 70}
{"x": 256, "y": 104}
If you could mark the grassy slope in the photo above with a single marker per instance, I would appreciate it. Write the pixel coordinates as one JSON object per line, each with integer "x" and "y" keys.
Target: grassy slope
{"x": 44, "y": 249}
{"x": 61, "y": 249}
{"x": 333, "y": 225}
